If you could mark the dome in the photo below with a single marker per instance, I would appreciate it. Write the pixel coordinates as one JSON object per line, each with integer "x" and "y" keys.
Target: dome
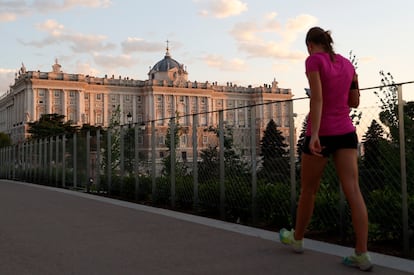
{"x": 168, "y": 69}
{"x": 166, "y": 64}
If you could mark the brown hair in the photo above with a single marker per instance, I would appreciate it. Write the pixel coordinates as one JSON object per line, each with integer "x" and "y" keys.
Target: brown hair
{"x": 319, "y": 36}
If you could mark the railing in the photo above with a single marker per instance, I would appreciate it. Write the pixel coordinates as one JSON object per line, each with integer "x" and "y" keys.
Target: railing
{"x": 235, "y": 173}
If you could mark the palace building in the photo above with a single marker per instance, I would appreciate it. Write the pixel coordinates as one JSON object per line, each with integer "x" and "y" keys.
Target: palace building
{"x": 86, "y": 99}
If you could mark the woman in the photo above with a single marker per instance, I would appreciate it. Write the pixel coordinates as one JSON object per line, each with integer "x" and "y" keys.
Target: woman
{"x": 334, "y": 89}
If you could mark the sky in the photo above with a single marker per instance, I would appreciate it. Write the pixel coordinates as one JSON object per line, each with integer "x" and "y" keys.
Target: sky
{"x": 245, "y": 42}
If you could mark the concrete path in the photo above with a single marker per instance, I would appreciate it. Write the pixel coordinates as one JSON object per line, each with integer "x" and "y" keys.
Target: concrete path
{"x": 55, "y": 231}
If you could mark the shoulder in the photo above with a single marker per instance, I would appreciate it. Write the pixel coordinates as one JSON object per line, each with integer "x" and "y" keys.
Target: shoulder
{"x": 344, "y": 62}
{"x": 316, "y": 60}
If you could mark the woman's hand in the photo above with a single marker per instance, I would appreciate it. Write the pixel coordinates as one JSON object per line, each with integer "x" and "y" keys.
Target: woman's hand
{"x": 315, "y": 146}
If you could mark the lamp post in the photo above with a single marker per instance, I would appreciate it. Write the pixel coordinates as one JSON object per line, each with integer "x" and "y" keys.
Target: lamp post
{"x": 129, "y": 119}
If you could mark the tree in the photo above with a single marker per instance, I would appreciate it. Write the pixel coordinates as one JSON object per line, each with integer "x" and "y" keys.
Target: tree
{"x": 5, "y": 140}
{"x": 233, "y": 165}
{"x": 181, "y": 169}
{"x": 372, "y": 141}
{"x": 115, "y": 147}
{"x": 301, "y": 139}
{"x": 209, "y": 165}
{"x": 354, "y": 113}
{"x": 51, "y": 125}
{"x": 388, "y": 97}
{"x": 275, "y": 154}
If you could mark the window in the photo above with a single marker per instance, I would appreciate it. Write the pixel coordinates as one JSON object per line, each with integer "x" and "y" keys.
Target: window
{"x": 41, "y": 93}
{"x": 98, "y": 119}
{"x": 184, "y": 140}
{"x": 203, "y": 120}
{"x": 127, "y": 98}
{"x": 205, "y": 139}
{"x": 139, "y": 98}
{"x": 184, "y": 156}
{"x": 86, "y": 96}
{"x": 140, "y": 140}
{"x": 113, "y": 98}
{"x": 139, "y": 118}
{"x": 98, "y": 96}
{"x": 72, "y": 94}
{"x": 161, "y": 140}
{"x": 72, "y": 116}
{"x": 57, "y": 93}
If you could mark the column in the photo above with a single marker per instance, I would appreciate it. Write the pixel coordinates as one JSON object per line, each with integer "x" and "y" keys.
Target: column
{"x": 134, "y": 109}
{"x": 80, "y": 106}
{"x": 92, "y": 112}
{"x": 105, "y": 115}
{"x": 48, "y": 96}
{"x": 121, "y": 109}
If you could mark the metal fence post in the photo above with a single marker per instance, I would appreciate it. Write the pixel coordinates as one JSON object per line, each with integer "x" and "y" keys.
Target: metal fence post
{"x": 172, "y": 163}
{"x": 50, "y": 160}
{"x": 195, "y": 162}
{"x": 88, "y": 160}
{"x": 14, "y": 162}
{"x": 109, "y": 161}
{"x": 122, "y": 159}
{"x": 292, "y": 160}
{"x": 153, "y": 164}
{"x": 57, "y": 162}
{"x": 136, "y": 161}
{"x": 63, "y": 160}
{"x": 45, "y": 164}
{"x": 403, "y": 172}
{"x": 98, "y": 160}
{"x": 221, "y": 157}
{"x": 75, "y": 163}
{"x": 254, "y": 162}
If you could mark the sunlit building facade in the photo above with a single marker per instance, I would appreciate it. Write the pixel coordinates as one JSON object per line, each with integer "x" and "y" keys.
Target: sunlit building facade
{"x": 85, "y": 99}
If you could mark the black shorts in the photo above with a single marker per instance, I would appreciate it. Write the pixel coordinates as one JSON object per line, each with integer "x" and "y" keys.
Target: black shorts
{"x": 332, "y": 143}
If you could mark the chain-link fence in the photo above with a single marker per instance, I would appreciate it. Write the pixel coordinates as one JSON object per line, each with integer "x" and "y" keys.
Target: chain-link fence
{"x": 244, "y": 173}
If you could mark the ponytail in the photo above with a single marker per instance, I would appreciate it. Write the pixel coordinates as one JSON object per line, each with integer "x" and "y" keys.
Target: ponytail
{"x": 319, "y": 36}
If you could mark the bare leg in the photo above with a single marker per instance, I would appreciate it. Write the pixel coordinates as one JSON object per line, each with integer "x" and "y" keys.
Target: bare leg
{"x": 347, "y": 170}
{"x": 311, "y": 173}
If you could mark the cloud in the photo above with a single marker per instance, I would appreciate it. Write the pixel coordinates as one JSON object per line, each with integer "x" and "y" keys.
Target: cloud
{"x": 53, "y": 5}
{"x": 222, "y": 8}
{"x": 269, "y": 38}
{"x": 221, "y": 63}
{"x": 86, "y": 69}
{"x": 6, "y": 79}
{"x": 79, "y": 43}
{"x": 366, "y": 59}
{"x": 133, "y": 44}
{"x": 7, "y": 17}
{"x": 12, "y": 10}
{"x": 114, "y": 61}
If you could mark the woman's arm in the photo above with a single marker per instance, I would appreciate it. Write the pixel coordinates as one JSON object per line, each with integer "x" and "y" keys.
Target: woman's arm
{"x": 353, "y": 97}
{"x": 316, "y": 101}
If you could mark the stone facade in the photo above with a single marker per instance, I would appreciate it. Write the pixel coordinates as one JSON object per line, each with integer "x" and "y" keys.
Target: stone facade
{"x": 85, "y": 99}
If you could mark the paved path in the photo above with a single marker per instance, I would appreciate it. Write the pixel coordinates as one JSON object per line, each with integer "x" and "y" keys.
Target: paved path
{"x": 54, "y": 231}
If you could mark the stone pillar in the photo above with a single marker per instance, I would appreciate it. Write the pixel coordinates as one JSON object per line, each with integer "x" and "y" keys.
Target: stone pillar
{"x": 48, "y": 97}
{"x": 80, "y": 106}
{"x": 64, "y": 104}
{"x": 105, "y": 115}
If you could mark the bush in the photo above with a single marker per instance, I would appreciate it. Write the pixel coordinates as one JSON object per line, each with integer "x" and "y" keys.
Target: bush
{"x": 273, "y": 204}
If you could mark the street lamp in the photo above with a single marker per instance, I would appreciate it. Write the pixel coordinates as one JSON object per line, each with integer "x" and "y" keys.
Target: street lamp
{"x": 129, "y": 119}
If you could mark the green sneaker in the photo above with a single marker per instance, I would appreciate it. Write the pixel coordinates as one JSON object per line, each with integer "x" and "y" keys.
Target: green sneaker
{"x": 287, "y": 237}
{"x": 362, "y": 261}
